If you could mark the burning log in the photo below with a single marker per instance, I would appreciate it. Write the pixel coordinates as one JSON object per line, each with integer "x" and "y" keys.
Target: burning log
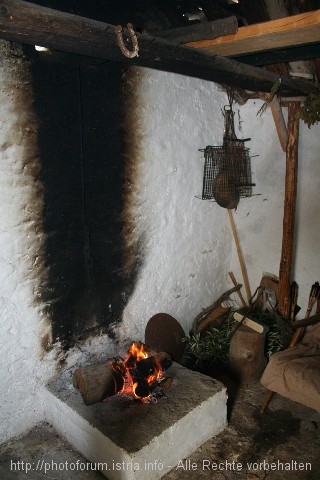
{"x": 138, "y": 374}
{"x": 145, "y": 375}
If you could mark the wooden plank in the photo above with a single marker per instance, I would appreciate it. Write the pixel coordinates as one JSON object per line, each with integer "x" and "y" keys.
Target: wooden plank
{"x": 32, "y": 24}
{"x": 200, "y": 31}
{"x": 284, "y": 32}
{"x": 258, "y": 327}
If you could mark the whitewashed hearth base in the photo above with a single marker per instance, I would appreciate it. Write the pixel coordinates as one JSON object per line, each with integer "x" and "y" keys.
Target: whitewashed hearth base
{"x": 135, "y": 440}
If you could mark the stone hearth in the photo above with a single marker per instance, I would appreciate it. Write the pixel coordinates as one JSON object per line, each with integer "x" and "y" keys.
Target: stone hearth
{"x": 140, "y": 440}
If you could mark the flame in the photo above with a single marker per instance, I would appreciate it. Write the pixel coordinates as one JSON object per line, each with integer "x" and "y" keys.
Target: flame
{"x": 130, "y": 369}
{"x": 157, "y": 374}
{"x": 138, "y": 351}
{"x": 134, "y": 387}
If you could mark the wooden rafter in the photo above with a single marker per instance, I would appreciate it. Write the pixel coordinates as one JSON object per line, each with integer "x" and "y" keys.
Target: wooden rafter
{"x": 200, "y": 31}
{"x": 285, "y": 32}
{"x": 32, "y": 24}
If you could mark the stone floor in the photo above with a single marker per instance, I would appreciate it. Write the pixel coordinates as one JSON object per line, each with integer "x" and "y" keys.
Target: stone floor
{"x": 282, "y": 444}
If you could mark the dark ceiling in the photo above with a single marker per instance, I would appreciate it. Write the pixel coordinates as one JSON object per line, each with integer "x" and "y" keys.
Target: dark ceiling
{"x": 149, "y": 15}
{"x": 152, "y": 15}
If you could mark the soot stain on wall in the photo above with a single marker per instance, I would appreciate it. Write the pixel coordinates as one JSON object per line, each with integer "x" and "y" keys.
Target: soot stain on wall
{"x": 83, "y": 156}
{"x": 133, "y": 108}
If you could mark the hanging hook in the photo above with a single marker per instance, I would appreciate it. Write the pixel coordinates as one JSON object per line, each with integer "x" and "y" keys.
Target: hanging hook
{"x": 126, "y": 52}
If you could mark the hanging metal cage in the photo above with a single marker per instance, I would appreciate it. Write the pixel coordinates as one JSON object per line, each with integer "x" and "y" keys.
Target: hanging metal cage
{"x": 227, "y": 169}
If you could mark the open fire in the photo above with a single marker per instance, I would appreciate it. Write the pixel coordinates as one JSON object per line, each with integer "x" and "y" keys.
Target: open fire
{"x": 140, "y": 374}
{"x": 141, "y": 371}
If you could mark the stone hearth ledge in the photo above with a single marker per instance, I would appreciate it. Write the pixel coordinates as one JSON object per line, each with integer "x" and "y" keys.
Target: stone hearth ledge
{"x": 138, "y": 440}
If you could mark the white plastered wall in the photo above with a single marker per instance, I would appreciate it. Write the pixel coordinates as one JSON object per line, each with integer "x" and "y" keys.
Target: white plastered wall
{"x": 20, "y": 240}
{"x": 187, "y": 243}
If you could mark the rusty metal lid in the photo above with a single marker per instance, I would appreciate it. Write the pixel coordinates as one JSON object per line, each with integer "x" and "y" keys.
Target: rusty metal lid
{"x": 164, "y": 334}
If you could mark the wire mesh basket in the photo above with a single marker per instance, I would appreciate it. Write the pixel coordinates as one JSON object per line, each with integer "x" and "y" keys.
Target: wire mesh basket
{"x": 227, "y": 169}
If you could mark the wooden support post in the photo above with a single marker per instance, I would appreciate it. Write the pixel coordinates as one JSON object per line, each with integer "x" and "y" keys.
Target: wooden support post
{"x": 289, "y": 210}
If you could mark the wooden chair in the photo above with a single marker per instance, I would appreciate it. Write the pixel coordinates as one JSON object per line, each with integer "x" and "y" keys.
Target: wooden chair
{"x": 270, "y": 373}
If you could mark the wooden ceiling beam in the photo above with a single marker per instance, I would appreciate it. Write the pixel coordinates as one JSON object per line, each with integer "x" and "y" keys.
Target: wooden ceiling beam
{"x": 32, "y": 24}
{"x": 285, "y": 55}
{"x": 292, "y": 31}
{"x": 200, "y": 31}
